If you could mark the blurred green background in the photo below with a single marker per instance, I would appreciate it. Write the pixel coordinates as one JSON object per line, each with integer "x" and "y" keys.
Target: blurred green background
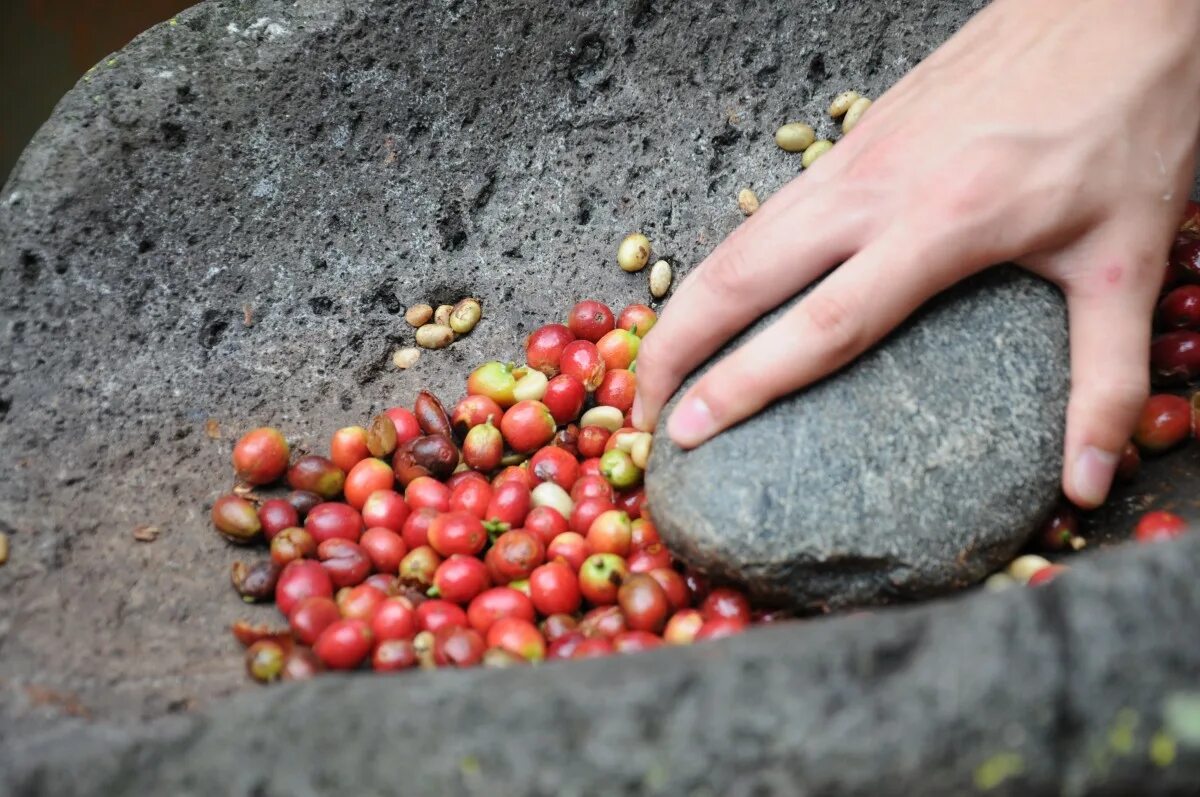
{"x": 47, "y": 45}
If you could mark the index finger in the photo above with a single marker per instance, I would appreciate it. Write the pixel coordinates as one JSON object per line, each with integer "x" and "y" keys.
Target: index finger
{"x": 789, "y": 242}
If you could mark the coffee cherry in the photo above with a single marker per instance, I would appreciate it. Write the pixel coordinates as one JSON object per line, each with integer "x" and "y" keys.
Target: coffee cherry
{"x": 564, "y": 397}
{"x": 301, "y": 664}
{"x": 483, "y": 447}
{"x": 718, "y": 628}
{"x": 316, "y": 475}
{"x": 543, "y": 348}
{"x": 1158, "y": 526}
{"x": 460, "y": 578}
{"x": 264, "y": 661}
{"x": 618, "y": 348}
{"x": 456, "y": 646}
{"x": 360, "y": 602}
{"x": 385, "y": 509}
{"x": 1180, "y": 309}
{"x": 496, "y": 381}
{"x": 418, "y": 566}
{"x": 683, "y": 627}
{"x": 600, "y": 576}
{"x": 311, "y": 616}
{"x": 610, "y": 532}
{"x": 472, "y": 411}
{"x": 643, "y": 602}
{"x": 344, "y": 645}
{"x": 471, "y": 496}
{"x": 1175, "y": 357}
{"x": 638, "y": 319}
{"x": 393, "y": 655}
{"x": 437, "y": 614}
{"x": 590, "y": 320}
{"x": 334, "y": 521}
{"x": 496, "y": 603}
{"x": 260, "y": 456}
{"x": 255, "y": 582}
{"x": 345, "y": 561}
{"x": 395, "y": 618}
{"x": 581, "y": 359}
{"x": 276, "y": 515}
{"x": 510, "y": 504}
{"x": 727, "y": 604}
{"x": 457, "y": 532}
{"x": 367, "y": 476}
{"x": 348, "y": 447}
{"x": 570, "y": 548}
{"x": 236, "y": 519}
{"x": 292, "y": 544}
{"x": 617, "y": 467}
{"x": 299, "y": 580}
{"x": 1165, "y": 422}
{"x": 384, "y": 547}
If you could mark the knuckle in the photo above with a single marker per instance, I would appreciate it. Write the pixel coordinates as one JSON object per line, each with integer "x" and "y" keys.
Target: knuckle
{"x": 731, "y": 271}
{"x": 1123, "y": 396}
{"x": 836, "y": 321}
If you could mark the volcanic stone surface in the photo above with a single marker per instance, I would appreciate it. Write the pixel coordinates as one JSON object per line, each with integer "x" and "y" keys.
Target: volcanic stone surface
{"x": 1063, "y": 689}
{"x": 221, "y": 227}
{"x": 919, "y": 469}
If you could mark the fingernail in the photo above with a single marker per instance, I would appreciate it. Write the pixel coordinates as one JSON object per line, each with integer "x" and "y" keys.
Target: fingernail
{"x": 1093, "y": 475}
{"x": 692, "y": 423}
{"x": 638, "y": 420}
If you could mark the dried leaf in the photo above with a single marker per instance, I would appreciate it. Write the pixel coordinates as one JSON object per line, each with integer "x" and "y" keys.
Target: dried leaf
{"x": 146, "y": 533}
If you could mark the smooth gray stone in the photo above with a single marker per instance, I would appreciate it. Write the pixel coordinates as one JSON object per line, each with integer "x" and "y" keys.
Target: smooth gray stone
{"x": 915, "y": 471}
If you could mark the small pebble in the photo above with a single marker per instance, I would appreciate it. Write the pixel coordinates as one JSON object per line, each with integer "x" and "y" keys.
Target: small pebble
{"x": 747, "y": 201}
{"x": 795, "y": 137}
{"x": 406, "y": 357}
{"x": 3, "y": 547}
{"x": 818, "y": 149}
{"x": 660, "y": 279}
{"x": 418, "y": 315}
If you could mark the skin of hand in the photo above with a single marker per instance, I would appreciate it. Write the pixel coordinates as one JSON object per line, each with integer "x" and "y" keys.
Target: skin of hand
{"x": 1057, "y": 134}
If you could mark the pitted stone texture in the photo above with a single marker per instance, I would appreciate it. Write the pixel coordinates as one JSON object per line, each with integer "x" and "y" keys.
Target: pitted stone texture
{"x": 1063, "y": 689}
{"x": 915, "y": 471}
{"x": 326, "y": 164}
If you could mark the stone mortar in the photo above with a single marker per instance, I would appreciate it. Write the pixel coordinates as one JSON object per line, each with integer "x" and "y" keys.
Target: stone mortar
{"x": 320, "y": 166}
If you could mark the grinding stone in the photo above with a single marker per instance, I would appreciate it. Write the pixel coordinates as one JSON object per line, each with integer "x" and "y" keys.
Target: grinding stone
{"x": 916, "y": 470}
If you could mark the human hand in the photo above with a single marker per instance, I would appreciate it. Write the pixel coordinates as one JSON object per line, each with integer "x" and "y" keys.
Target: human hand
{"x": 1057, "y": 135}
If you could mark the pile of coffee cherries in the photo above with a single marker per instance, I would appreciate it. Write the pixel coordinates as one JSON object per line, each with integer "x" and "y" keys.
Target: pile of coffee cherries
{"x": 512, "y": 529}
